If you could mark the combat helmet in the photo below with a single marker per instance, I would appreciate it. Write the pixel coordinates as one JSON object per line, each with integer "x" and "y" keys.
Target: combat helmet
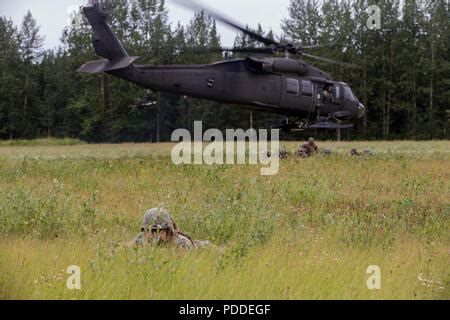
{"x": 158, "y": 219}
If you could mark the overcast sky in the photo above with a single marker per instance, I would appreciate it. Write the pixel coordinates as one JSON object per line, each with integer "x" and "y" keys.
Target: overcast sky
{"x": 53, "y": 15}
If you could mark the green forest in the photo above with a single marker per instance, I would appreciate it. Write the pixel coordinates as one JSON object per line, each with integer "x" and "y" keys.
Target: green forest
{"x": 404, "y": 79}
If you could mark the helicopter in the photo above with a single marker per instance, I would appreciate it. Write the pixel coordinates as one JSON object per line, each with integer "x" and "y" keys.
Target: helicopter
{"x": 280, "y": 85}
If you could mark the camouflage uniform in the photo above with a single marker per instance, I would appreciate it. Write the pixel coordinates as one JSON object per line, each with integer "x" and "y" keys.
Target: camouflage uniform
{"x": 184, "y": 242}
{"x": 307, "y": 149}
{"x": 302, "y": 152}
{"x": 160, "y": 219}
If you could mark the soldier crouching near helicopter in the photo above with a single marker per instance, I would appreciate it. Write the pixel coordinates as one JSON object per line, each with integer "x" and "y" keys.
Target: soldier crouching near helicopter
{"x": 307, "y": 149}
{"x": 158, "y": 228}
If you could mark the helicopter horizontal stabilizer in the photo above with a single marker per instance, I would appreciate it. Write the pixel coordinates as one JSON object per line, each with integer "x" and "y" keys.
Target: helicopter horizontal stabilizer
{"x": 104, "y": 65}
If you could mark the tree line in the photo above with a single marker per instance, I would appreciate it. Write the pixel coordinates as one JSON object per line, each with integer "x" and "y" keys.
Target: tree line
{"x": 404, "y": 79}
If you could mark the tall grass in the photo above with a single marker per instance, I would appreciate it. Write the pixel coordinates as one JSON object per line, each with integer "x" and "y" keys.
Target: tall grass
{"x": 308, "y": 233}
{"x": 317, "y": 267}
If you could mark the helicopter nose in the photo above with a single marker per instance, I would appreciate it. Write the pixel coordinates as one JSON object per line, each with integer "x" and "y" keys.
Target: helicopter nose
{"x": 361, "y": 111}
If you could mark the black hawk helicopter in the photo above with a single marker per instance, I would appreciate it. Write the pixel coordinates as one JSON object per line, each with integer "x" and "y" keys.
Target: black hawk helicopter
{"x": 290, "y": 87}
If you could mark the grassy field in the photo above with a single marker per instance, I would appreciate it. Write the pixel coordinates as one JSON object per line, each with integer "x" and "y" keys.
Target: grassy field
{"x": 41, "y": 142}
{"x": 309, "y": 232}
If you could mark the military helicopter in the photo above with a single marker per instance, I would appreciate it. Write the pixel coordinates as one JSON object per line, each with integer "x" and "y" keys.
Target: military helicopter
{"x": 281, "y": 85}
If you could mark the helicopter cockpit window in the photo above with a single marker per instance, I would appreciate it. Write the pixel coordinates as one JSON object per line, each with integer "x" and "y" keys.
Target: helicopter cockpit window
{"x": 337, "y": 93}
{"x": 307, "y": 88}
{"x": 348, "y": 94}
{"x": 292, "y": 87}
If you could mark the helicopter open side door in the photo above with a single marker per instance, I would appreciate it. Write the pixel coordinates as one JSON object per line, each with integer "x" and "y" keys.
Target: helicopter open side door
{"x": 328, "y": 96}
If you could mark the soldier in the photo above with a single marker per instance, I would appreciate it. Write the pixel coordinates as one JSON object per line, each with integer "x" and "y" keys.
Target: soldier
{"x": 354, "y": 153}
{"x": 327, "y": 93}
{"x": 307, "y": 149}
{"x": 159, "y": 228}
{"x": 311, "y": 146}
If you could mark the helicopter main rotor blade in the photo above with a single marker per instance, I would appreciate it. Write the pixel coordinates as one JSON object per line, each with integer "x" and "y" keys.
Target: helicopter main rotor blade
{"x": 253, "y": 50}
{"x": 235, "y": 50}
{"x": 317, "y": 46}
{"x": 194, "y": 5}
{"x": 349, "y": 65}
{"x": 267, "y": 50}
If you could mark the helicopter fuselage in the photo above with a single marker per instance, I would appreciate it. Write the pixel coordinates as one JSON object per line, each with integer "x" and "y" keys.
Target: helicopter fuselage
{"x": 277, "y": 85}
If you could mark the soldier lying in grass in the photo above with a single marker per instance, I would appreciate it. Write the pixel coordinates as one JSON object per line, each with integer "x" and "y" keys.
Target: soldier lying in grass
{"x": 159, "y": 228}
